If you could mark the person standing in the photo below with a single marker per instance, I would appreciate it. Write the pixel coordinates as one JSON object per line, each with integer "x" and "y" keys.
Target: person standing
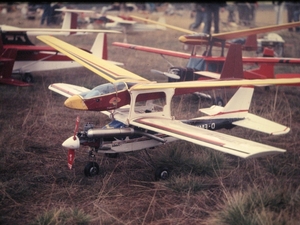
{"x": 200, "y": 17}
{"x": 47, "y": 13}
{"x": 212, "y": 13}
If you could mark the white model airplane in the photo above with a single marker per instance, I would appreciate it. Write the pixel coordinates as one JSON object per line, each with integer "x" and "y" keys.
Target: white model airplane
{"x": 127, "y": 24}
{"x": 137, "y": 124}
{"x": 69, "y": 26}
{"x": 32, "y": 58}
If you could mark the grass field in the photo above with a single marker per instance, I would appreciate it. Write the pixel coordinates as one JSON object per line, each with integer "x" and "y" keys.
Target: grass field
{"x": 206, "y": 186}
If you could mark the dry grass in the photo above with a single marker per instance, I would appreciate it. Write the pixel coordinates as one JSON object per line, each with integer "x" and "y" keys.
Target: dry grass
{"x": 36, "y": 183}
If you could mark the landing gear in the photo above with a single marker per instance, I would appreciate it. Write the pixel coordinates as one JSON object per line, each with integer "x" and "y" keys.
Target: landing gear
{"x": 91, "y": 169}
{"x": 218, "y": 101}
{"x": 27, "y": 77}
{"x": 162, "y": 173}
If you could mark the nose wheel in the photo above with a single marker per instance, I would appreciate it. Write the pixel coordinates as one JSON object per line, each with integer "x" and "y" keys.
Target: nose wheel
{"x": 91, "y": 169}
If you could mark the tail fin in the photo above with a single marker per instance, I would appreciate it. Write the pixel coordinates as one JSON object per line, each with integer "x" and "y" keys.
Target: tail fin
{"x": 233, "y": 65}
{"x": 7, "y": 60}
{"x": 251, "y": 43}
{"x": 99, "y": 47}
{"x": 70, "y": 21}
{"x": 237, "y": 107}
{"x": 161, "y": 20}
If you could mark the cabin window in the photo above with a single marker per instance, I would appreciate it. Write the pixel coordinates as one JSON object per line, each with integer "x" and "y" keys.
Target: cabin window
{"x": 104, "y": 89}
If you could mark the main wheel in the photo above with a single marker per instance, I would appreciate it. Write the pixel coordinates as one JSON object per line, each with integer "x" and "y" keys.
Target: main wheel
{"x": 162, "y": 173}
{"x": 91, "y": 169}
{"x": 28, "y": 78}
{"x": 218, "y": 101}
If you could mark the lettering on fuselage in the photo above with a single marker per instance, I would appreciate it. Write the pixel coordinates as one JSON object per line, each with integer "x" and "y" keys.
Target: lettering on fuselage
{"x": 215, "y": 124}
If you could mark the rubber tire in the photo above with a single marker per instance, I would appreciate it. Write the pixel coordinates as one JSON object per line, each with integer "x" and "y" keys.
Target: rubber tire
{"x": 91, "y": 169}
{"x": 28, "y": 78}
{"x": 162, "y": 173}
{"x": 218, "y": 101}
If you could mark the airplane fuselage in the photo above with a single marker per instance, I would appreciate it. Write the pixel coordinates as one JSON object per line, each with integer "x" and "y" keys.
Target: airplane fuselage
{"x": 212, "y": 124}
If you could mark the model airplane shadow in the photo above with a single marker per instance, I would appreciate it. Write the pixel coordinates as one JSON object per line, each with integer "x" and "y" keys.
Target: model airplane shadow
{"x": 141, "y": 112}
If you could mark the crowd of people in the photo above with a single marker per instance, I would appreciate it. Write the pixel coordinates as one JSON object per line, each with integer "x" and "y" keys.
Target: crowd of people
{"x": 50, "y": 15}
{"x": 208, "y": 13}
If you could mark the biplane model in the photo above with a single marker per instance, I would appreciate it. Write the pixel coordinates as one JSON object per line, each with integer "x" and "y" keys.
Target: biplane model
{"x": 222, "y": 39}
{"x": 211, "y": 63}
{"x": 33, "y": 58}
{"x": 261, "y": 67}
{"x": 137, "y": 122}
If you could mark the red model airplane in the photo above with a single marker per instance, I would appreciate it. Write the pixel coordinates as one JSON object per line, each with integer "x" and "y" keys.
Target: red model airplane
{"x": 31, "y": 58}
{"x": 220, "y": 39}
{"x": 206, "y": 62}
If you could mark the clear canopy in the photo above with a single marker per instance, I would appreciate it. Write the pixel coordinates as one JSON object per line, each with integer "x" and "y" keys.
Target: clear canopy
{"x": 104, "y": 89}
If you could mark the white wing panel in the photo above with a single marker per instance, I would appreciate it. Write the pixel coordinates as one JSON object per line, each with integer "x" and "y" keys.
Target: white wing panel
{"x": 67, "y": 90}
{"x": 263, "y": 125}
{"x": 211, "y": 139}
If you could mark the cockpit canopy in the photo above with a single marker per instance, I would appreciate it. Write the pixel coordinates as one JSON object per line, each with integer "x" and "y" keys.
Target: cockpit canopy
{"x": 104, "y": 89}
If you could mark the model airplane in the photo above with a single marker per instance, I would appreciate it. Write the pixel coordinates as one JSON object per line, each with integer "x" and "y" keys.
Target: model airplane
{"x": 214, "y": 63}
{"x": 127, "y": 24}
{"x": 198, "y": 64}
{"x": 220, "y": 39}
{"x": 31, "y": 58}
{"x": 69, "y": 26}
{"x": 127, "y": 97}
{"x": 7, "y": 60}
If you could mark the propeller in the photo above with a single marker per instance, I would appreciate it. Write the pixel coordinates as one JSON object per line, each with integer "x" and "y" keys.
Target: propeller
{"x": 171, "y": 75}
{"x": 71, "y": 144}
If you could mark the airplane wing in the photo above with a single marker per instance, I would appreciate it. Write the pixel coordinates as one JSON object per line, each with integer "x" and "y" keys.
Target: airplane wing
{"x": 153, "y": 50}
{"x": 163, "y": 24}
{"x": 224, "y": 36}
{"x": 53, "y": 31}
{"x": 208, "y": 59}
{"x": 258, "y": 30}
{"x": 110, "y": 72}
{"x": 225, "y": 143}
{"x": 120, "y": 20}
{"x": 67, "y": 90}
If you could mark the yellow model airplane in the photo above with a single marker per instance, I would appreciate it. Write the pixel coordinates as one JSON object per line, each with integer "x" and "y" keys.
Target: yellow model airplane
{"x": 219, "y": 39}
{"x": 127, "y": 100}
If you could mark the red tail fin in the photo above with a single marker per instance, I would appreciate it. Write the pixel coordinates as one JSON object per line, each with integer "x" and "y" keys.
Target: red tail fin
{"x": 233, "y": 65}
{"x": 251, "y": 43}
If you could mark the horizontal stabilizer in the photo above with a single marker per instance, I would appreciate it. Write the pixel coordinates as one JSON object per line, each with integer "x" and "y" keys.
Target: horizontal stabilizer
{"x": 213, "y": 110}
{"x": 67, "y": 90}
{"x": 258, "y": 123}
{"x": 208, "y": 74}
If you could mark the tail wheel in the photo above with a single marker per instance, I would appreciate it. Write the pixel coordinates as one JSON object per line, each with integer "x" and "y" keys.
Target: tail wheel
{"x": 91, "y": 169}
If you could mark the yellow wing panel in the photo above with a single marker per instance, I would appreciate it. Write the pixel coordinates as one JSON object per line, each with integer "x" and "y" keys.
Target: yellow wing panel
{"x": 163, "y": 24}
{"x": 252, "y": 31}
{"x": 105, "y": 69}
{"x": 216, "y": 83}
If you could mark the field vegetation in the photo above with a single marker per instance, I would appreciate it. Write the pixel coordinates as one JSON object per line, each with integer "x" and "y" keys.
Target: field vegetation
{"x": 205, "y": 187}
